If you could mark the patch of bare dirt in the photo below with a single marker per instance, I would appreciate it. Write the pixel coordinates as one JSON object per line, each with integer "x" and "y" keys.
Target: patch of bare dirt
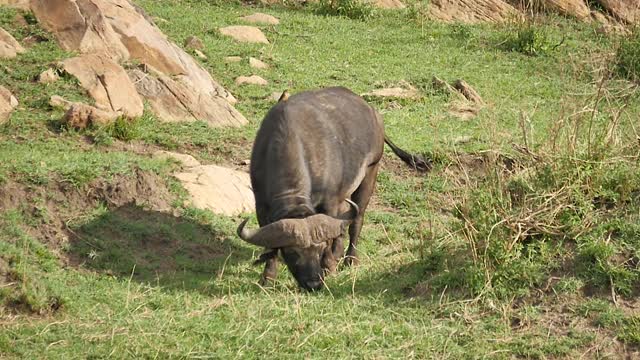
{"x": 59, "y": 203}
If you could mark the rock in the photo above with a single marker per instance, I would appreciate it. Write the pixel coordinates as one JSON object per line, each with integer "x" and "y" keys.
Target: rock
{"x": 18, "y": 4}
{"x": 173, "y": 101}
{"x": 260, "y": 18}
{"x": 59, "y": 102}
{"x": 184, "y": 159}
{"x": 107, "y": 83}
{"x": 8, "y": 102}
{"x": 468, "y": 92}
{"x": 81, "y": 116}
{"x": 609, "y": 24}
{"x": 471, "y": 11}
{"x": 200, "y": 54}
{"x": 388, "y": 4}
{"x": 79, "y": 26}
{"x": 257, "y": 64}
{"x": 574, "y": 8}
{"x": 247, "y": 34}
{"x": 117, "y": 28}
{"x": 441, "y": 85}
{"x": 627, "y": 11}
{"x": 251, "y": 80}
{"x": 193, "y": 42}
{"x": 218, "y": 189}
{"x": 9, "y": 47}
{"x": 232, "y": 59}
{"x": 406, "y": 92}
{"x": 48, "y": 76}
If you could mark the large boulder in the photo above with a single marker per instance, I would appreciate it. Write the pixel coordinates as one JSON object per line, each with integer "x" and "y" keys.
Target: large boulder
{"x": 20, "y": 4}
{"x": 122, "y": 31}
{"x": 8, "y": 102}
{"x": 624, "y": 10}
{"x": 471, "y": 11}
{"x": 9, "y": 47}
{"x": 174, "y": 101}
{"x": 573, "y": 8}
{"x": 107, "y": 82}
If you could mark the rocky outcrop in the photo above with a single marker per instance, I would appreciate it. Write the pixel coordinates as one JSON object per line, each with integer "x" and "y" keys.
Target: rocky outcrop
{"x": 119, "y": 30}
{"x": 107, "y": 83}
{"x": 9, "y": 47}
{"x": 8, "y": 102}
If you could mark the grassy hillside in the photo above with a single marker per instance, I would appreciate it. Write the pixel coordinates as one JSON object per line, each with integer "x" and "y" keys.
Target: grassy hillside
{"x": 523, "y": 241}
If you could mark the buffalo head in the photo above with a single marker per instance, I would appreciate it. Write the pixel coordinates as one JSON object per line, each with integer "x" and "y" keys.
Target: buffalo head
{"x": 302, "y": 242}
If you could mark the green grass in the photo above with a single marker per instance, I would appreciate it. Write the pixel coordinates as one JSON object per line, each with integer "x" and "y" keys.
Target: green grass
{"x": 498, "y": 253}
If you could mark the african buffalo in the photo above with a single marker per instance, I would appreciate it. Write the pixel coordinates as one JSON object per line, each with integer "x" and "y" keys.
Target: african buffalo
{"x": 313, "y": 170}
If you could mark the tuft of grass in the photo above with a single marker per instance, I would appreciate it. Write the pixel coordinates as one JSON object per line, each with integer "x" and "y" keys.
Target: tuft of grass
{"x": 528, "y": 38}
{"x": 627, "y": 59}
{"x": 352, "y": 9}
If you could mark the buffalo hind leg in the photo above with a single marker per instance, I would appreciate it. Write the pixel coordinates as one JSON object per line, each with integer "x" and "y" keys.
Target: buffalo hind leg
{"x": 361, "y": 196}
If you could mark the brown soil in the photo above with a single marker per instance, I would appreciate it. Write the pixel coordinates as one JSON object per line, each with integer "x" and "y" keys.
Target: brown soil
{"x": 59, "y": 203}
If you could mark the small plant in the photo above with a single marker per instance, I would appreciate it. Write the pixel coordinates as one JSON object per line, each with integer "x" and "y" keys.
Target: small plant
{"x": 121, "y": 129}
{"x": 628, "y": 57}
{"x": 529, "y": 39}
{"x": 352, "y": 9}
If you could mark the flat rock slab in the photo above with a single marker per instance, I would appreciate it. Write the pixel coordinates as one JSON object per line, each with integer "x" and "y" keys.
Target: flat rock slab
{"x": 471, "y": 11}
{"x": 248, "y": 34}
{"x": 219, "y": 189}
{"x": 388, "y": 4}
{"x": 257, "y": 64}
{"x": 9, "y": 47}
{"x": 8, "y": 102}
{"x": 173, "y": 101}
{"x": 185, "y": 160}
{"x": 107, "y": 82}
{"x": 232, "y": 59}
{"x": 395, "y": 92}
{"x": 251, "y": 80}
{"x": 260, "y": 18}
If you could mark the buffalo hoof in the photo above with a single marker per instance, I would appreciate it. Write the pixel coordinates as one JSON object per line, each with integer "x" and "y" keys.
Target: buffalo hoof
{"x": 351, "y": 260}
{"x": 267, "y": 282}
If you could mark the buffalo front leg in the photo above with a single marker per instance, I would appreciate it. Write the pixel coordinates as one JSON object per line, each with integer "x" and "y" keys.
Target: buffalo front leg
{"x": 270, "y": 269}
{"x": 361, "y": 196}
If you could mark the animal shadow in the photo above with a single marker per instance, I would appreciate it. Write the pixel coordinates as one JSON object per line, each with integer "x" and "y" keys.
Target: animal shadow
{"x": 156, "y": 248}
